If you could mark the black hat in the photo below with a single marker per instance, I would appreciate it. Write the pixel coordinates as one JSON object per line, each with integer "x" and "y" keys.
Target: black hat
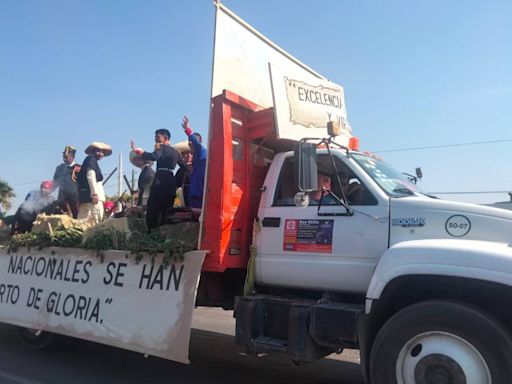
{"x": 69, "y": 150}
{"x": 164, "y": 132}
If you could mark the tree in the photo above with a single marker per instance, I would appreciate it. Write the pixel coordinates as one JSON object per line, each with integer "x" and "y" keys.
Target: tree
{"x": 6, "y": 194}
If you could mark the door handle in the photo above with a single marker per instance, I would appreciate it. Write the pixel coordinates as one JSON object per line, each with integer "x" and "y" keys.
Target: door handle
{"x": 274, "y": 222}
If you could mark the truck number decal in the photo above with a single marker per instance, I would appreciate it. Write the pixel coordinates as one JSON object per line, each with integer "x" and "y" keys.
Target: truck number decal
{"x": 458, "y": 226}
{"x": 308, "y": 235}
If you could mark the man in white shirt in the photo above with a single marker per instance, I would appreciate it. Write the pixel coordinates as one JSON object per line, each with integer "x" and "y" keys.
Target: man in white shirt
{"x": 91, "y": 195}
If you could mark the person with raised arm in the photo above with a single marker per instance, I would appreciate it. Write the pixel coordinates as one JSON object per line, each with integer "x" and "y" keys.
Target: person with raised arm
{"x": 196, "y": 190}
{"x": 163, "y": 188}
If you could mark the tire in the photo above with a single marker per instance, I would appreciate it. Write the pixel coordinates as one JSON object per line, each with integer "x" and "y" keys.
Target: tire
{"x": 34, "y": 339}
{"x": 441, "y": 342}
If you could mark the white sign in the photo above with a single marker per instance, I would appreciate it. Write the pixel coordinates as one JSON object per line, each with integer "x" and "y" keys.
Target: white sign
{"x": 304, "y": 100}
{"x": 145, "y": 307}
{"x": 241, "y": 60}
{"x": 303, "y": 107}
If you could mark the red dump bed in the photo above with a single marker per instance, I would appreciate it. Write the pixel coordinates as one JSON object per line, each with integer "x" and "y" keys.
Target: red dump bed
{"x": 238, "y": 161}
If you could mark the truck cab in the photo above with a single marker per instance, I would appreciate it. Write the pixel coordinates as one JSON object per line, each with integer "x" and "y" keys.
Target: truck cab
{"x": 375, "y": 208}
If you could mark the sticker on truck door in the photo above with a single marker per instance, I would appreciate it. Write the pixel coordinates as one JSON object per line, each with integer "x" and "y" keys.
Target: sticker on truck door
{"x": 308, "y": 235}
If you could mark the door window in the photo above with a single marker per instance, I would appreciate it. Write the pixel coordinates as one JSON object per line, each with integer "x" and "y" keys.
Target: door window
{"x": 335, "y": 179}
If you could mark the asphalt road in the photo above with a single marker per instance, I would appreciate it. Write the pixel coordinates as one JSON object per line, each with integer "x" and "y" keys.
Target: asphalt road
{"x": 215, "y": 358}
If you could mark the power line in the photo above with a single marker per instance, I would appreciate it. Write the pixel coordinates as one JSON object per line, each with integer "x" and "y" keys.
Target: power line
{"x": 443, "y": 146}
{"x": 466, "y": 192}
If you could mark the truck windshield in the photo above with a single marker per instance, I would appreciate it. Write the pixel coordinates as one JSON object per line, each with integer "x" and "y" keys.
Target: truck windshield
{"x": 394, "y": 183}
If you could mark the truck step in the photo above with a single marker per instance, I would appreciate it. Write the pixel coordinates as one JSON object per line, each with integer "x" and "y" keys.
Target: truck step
{"x": 332, "y": 323}
{"x": 265, "y": 343}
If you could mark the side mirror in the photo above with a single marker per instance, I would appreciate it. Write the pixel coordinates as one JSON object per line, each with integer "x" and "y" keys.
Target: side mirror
{"x": 306, "y": 177}
{"x": 419, "y": 174}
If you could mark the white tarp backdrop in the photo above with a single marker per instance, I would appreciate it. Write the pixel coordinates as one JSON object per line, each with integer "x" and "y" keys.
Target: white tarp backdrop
{"x": 142, "y": 307}
{"x": 248, "y": 64}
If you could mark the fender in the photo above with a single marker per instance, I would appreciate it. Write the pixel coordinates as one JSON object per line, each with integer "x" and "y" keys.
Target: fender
{"x": 473, "y": 259}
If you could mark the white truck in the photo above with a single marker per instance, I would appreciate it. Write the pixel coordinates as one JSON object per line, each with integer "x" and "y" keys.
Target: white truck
{"x": 419, "y": 285}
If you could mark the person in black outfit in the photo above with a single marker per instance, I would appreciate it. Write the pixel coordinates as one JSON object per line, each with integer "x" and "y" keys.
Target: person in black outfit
{"x": 145, "y": 178}
{"x": 163, "y": 188}
{"x": 91, "y": 194}
{"x": 65, "y": 179}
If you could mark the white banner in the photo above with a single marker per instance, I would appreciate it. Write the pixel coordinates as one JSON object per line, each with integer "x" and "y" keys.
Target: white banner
{"x": 303, "y": 108}
{"x": 241, "y": 57}
{"x": 241, "y": 64}
{"x": 144, "y": 307}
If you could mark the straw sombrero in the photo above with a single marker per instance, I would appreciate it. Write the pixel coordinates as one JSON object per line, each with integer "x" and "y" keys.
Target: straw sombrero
{"x": 137, "y": 160}
{"x": 105, "y": 148}
{"x": 182, "y": 146}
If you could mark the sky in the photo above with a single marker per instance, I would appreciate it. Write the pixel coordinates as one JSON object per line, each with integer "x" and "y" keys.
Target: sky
{"x": 415, "y": 74}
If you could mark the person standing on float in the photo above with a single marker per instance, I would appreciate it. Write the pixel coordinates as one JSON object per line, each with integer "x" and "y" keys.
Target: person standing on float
{"x": 163, "y": 188}
{"x": 197, "y": 175}
{"x": 65, "y": 179}
{"x": 91, "y": 195}
{"x": 145, "y": 178}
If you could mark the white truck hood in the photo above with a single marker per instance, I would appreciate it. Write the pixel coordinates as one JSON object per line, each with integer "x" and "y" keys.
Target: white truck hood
{"x": 415, "y": 218}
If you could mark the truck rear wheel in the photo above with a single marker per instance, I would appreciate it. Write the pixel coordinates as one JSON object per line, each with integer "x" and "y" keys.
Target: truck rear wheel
{"x": 33, "y": 338}
{"x": 443, "y": 343}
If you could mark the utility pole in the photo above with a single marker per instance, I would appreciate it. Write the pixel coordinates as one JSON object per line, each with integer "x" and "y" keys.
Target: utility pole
{"x": 120, "y": 176}
{"x": 133, "y": 187}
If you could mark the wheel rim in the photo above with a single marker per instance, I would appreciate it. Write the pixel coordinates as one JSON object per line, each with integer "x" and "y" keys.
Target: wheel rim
{"x": 441, "y": 358}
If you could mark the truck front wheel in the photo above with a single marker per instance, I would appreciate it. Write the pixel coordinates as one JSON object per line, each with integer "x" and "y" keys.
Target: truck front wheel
{"x": 33, "y": 338}
{"x": 441, "y": 342}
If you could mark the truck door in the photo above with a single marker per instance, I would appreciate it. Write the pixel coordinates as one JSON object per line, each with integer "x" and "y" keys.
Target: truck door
{"x": 321, "y": 246}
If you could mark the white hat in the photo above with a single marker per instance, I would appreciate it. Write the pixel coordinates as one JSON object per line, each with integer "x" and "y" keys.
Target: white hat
{"x": 137, "y": 160}
{"x": 182, "y": 146}
{"x": 105, "y": 148}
